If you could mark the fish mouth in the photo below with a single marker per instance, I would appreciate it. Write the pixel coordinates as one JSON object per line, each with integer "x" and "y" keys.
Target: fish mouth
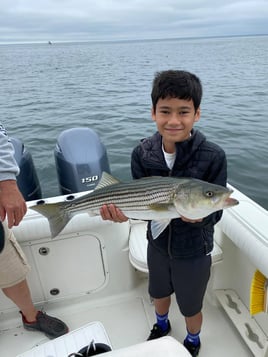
{"x": 229, "y": 202}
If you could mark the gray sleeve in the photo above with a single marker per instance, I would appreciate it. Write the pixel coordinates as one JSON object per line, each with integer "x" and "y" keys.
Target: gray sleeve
{"x": 8, "y": 166}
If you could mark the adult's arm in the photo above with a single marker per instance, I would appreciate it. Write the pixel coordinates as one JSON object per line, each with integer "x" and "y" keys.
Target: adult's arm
{"x": 12, "y": 203}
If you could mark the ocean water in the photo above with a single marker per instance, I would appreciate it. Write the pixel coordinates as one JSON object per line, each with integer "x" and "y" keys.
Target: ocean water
{"x": 45, "y": 89}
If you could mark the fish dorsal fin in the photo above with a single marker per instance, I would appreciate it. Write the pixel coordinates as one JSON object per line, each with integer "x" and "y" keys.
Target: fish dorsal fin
{"x": 106, "y": 180}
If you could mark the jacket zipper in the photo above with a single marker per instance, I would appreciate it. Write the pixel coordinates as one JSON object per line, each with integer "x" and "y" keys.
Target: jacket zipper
{"x": 169, "y": 232}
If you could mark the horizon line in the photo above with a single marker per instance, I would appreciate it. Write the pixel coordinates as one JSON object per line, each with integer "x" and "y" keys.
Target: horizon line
{"x": 25, "y": 42}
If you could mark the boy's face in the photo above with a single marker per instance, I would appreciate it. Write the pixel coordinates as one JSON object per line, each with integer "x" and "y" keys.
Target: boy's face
{"x": 175, "y": 119}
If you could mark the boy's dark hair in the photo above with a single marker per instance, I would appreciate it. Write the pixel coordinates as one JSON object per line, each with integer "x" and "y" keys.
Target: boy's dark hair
{"x": 176, "y": 84}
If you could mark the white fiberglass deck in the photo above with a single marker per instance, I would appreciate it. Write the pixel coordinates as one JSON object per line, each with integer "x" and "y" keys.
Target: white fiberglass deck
{"x": 127, "y": 319}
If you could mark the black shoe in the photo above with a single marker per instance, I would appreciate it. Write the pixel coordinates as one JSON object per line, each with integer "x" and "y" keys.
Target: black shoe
{"x": 51, "y": 326}
{"x": 157, "y": 332}
{"x": 194, "y": 350}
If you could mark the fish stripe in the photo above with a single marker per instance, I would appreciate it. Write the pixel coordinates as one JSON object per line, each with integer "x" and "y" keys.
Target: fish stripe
{"x": 130, "y": 196}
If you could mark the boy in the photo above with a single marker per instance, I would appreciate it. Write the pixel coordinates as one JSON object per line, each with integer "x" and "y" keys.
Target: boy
{"x": 179, "y": 259}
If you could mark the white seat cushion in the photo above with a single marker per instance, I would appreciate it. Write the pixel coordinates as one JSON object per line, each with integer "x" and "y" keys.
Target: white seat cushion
{"x": 165, "y": 346}
{"x": 138, "y": 247}
{"x": 71, "y": 342}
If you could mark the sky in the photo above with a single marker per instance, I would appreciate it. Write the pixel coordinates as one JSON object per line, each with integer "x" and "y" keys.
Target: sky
{"x": 101, "y": 20}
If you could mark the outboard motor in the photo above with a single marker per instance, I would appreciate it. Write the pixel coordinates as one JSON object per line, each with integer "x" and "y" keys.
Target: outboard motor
{"x": 27, "y": 180}
{"x": 80, "y": 160}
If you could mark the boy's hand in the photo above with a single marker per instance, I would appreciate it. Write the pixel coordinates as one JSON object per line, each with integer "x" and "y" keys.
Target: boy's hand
{"x": 184, "y": 219}
{"x": 12, "y": 203}
{"x": 112, "y": 213}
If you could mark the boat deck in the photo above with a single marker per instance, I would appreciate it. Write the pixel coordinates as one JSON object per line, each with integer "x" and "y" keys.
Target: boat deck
{"x": 127, "y": 319}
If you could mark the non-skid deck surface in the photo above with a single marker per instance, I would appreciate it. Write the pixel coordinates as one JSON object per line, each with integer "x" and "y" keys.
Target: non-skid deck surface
{"x": 127, "y": 320}
{"x": 124, "y": 319}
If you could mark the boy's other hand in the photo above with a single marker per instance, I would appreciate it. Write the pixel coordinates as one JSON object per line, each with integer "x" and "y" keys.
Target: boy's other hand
{"x": 184, "y": 219}
{"x": 112, "y": 213}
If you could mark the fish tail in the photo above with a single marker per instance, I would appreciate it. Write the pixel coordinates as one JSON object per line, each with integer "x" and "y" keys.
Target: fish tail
{"x": 56, "y": 215}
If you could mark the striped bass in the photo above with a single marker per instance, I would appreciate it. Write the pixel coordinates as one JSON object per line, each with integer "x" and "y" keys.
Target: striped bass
{"x": 151, "y": 198}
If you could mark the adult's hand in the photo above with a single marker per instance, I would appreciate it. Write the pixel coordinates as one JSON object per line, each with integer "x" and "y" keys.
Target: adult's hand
{"x": 12, "y": 203}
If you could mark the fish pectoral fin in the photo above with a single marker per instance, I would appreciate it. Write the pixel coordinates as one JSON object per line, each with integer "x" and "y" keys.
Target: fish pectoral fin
{"x": 106, "y": 180}
{"x": 157, "y": 227}
{"x": 159, "y": 206}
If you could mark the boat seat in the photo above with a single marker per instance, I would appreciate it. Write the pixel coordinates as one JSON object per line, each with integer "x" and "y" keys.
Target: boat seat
{"x": 71, "y": 342}
{"x": 165, "y": 346}
{"x": 138, "y": 247}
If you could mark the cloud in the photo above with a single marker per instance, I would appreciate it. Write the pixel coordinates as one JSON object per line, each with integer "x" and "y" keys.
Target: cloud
{"x": 123, "y": 19}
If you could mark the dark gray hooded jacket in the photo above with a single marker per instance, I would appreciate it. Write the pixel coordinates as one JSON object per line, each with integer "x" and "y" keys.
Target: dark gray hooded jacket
{"x": 195, "y": 157}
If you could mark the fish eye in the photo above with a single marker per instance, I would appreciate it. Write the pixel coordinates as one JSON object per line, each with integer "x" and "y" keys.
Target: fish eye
{"x": 209, "y": 193}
